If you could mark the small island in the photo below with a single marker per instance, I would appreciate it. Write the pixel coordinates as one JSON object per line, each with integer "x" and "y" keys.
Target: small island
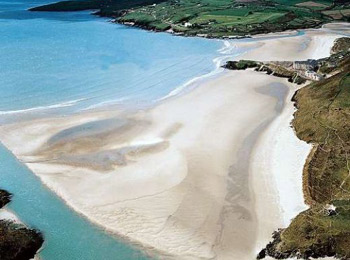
{"x": 299, "y": 71}
{"x": 17, "y": 242}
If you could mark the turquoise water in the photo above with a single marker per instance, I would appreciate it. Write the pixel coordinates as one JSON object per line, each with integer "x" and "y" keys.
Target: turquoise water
{"x": 66, "y": 62}
{"x": 67, "y": 235}
{"x": 79, "y": 61}
{"x": 73, "y": 61}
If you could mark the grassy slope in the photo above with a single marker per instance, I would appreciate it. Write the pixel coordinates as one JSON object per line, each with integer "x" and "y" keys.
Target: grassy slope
{"x": 215, "y": 18}
{"x": 323, "y": 116}
{"x": 323, "y": 119}
{"x": 225, "y": 17}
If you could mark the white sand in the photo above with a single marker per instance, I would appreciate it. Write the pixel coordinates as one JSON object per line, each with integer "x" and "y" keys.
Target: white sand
{"x": 279, "y": 155}
{"x": 179, "y": 198}
{"x": 188, "y": 177}
{"x": 314, "y": 44}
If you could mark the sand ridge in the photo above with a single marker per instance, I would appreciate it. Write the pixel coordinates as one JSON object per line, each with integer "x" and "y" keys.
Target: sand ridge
{"x": 193, "y": 177}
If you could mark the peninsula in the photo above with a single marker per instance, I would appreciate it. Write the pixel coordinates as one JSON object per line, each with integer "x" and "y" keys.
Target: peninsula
{"x": 210, "y": 18}
{"x": 213, "y": 173}
{"x": 182, "y": 182}
{"x": 321, "y": 119}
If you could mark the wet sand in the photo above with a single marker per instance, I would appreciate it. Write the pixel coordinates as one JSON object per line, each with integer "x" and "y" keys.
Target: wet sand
{"x": 173, "y": 178}
{"x": 198, "y": 176}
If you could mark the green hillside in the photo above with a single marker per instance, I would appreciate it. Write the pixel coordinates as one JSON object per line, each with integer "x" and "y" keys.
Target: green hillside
{"x": 214, "y": 18}
{"x": 322, "y": 119}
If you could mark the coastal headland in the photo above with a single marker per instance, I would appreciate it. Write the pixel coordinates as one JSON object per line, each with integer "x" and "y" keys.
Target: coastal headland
{"x": 213, "y": 19}
{"x": 321, "y": 120}
{"x": 209, "y": 174}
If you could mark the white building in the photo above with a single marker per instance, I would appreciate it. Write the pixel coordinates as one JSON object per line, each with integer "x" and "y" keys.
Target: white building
{"x": 305, "y": 65}
{"x": 313, "y": 75}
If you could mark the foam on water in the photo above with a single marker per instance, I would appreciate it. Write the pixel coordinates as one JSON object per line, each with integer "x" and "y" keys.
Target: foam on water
{"x": 52, "y": 59}
{"x": 229, "y": 51}
{"x": 67, "y": 62}
{"x": 64, "y": 62}
{"x": 37, "y": 109}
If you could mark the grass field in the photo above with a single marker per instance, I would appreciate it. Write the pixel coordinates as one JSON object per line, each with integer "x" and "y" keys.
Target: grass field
{"x": 338, "y": 14}
{"x": 318, "y": 233}
{"x": 323, "y": 119}
{"x": 222, "y": 17}
{"x": 216, "y": 18}
{"x": 227, "y": 20}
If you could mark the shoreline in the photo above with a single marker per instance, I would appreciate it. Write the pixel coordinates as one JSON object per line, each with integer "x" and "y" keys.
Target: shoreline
{"x": 201, "y": 35}
{"x": 223, "y": 38}
{"x": 65, "y": 196}
{"x": 269, "y": 165}
{"x": 182, "y": 89}
{"x": 150, "y": 17}
{"x": 169, "y": 132}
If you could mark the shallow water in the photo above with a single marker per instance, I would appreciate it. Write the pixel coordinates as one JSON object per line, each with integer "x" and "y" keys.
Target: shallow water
{"x": 67, "y": 235}
{"x": 81, "y": 61}
{"x": 73, "y": 61}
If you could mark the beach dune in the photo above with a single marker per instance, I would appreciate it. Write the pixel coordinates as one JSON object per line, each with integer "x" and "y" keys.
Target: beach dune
{"x": 194, "y": 177}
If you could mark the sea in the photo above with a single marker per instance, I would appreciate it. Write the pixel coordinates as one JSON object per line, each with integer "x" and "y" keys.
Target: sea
{"x": 67, "y": 62}
{"x": 59, "y": 63}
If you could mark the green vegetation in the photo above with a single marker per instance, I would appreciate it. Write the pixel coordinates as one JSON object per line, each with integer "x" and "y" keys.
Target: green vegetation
{"x": 323, "y": 119}
{"x": 268, "y": 68}
{"x": 228, "y": 18}
{"x": 213, "y": 18}
{"x": 323, "y": 115}
{"x": 317, "y": 232}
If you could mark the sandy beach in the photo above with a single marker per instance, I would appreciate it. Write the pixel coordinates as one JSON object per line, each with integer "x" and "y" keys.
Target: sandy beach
{"x": 206, "y": 175}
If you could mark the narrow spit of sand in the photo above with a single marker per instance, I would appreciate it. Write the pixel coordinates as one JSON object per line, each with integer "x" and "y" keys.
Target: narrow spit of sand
{"x": 167, "y": 178}
{"x": 196, "y": 177}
